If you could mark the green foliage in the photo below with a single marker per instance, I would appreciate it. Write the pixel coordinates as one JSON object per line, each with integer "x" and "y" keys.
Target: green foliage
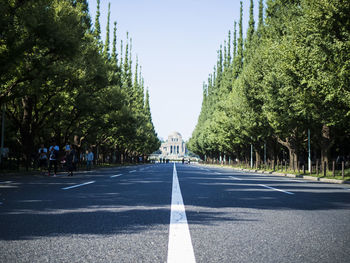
{"x": 58, "y": 84}
{"x": 291, "y": 75}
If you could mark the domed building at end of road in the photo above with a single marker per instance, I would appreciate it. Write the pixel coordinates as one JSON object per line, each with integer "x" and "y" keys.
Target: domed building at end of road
{"x": 174, "y": 147}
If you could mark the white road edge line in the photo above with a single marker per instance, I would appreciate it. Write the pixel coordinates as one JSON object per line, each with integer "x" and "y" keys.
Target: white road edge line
{"x": 77, "y": 185}
{"x": 180, "y": 247}
{"x": 132, "y": 171}
{"x": 276, "y": 189}
{"x": 116, "y": 175}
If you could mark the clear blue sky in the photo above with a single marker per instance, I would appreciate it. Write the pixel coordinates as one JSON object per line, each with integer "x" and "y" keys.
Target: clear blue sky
{"x": 176, "y": 43}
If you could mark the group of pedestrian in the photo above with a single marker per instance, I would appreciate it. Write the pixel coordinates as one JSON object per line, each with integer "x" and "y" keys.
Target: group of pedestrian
{"x": 49, "y": 158}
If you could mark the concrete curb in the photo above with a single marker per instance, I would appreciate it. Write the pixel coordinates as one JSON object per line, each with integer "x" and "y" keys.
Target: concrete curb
{"x": 299, "y": 176}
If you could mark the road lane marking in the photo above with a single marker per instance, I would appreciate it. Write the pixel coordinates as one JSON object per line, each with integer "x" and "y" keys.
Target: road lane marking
{"x": 132, "y": 171}
{"x": 180, "y": 247}
{"x": 294, "y": 180}
{"x": 116, "y": 175}
{"x": 276, "y": 189}
{"x": 236, "y": 178}
{"x": 6, "y": 182}
{"x": 77, "y": 185}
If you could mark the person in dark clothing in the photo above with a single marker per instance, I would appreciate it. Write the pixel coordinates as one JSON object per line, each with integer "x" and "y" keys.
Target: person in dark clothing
{"x": 53, "y": 157}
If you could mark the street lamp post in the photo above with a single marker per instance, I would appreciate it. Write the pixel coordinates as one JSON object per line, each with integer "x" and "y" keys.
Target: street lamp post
{"x": 2, "y": 131}
{"x": 251, "y": 155}
{"x": 309, "y": 150}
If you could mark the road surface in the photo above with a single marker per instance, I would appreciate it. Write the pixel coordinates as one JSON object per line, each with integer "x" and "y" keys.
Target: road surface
{"x": 168, "y": 213}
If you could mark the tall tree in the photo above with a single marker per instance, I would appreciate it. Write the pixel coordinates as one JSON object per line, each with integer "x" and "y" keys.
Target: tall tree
{"x": 238, "y": 63}
{"x": 114, "y": 46}
{"x": 106, "y": 47}
{"x": 251, "y": 25}
{"x": 261, "y": 18}
{"x": 97, "y": 29}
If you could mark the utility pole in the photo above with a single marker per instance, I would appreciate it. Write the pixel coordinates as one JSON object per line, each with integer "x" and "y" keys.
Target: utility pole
{"x": 265, "y": 153}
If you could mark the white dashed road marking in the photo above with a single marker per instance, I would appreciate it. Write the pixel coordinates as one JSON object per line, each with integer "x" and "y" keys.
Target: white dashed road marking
{"x": 276, "y": 189}
{"x": 116, "y": 175}
{"x": 77, "y": 185}
{"x": 236, "y": 178}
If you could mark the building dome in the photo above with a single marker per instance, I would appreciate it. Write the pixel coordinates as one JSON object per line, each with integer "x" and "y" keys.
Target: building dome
{"x": 175, "y": 134}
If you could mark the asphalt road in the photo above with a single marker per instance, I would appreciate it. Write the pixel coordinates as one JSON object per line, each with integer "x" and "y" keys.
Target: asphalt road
{"x": 123, "y": 215}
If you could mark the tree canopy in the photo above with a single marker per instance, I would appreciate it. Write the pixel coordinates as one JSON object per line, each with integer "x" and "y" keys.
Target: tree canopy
{"x": 60, "y": 82}
{"x": 291, "y": 75}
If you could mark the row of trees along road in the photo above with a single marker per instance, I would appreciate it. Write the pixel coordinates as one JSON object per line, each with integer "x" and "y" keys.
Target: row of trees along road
{"x": 60, "y": 81}
{"x": 291, "y": 73}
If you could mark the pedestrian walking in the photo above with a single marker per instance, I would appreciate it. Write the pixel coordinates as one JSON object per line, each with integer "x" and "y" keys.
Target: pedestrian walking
{"x": 89, "y": 159}
{"x": 53, "y": 157}
{"x": 67, "y": 147}
{"x": 42, "y": 157}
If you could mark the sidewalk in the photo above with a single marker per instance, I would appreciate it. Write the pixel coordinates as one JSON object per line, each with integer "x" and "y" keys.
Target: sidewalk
{"x": 299, "y": 176}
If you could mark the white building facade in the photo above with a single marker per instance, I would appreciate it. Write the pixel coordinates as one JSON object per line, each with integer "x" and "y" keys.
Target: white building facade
{"x": 174, "y": 147}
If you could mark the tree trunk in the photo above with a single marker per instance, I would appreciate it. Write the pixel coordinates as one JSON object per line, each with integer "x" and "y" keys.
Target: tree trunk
{"x": 257, "y": 157}
{"x": 291, "y": 144}
{"x": 26, "y": 131}
{"x": 293, "y": 158}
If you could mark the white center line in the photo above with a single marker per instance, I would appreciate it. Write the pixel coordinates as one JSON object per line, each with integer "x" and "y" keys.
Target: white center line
{"x": 77, "y": 185}
{"x": 132, "y": 171}
{"x": 269, "y": 187}
{"x": 180, "y": 247}
{"x": 116, "y": 175}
